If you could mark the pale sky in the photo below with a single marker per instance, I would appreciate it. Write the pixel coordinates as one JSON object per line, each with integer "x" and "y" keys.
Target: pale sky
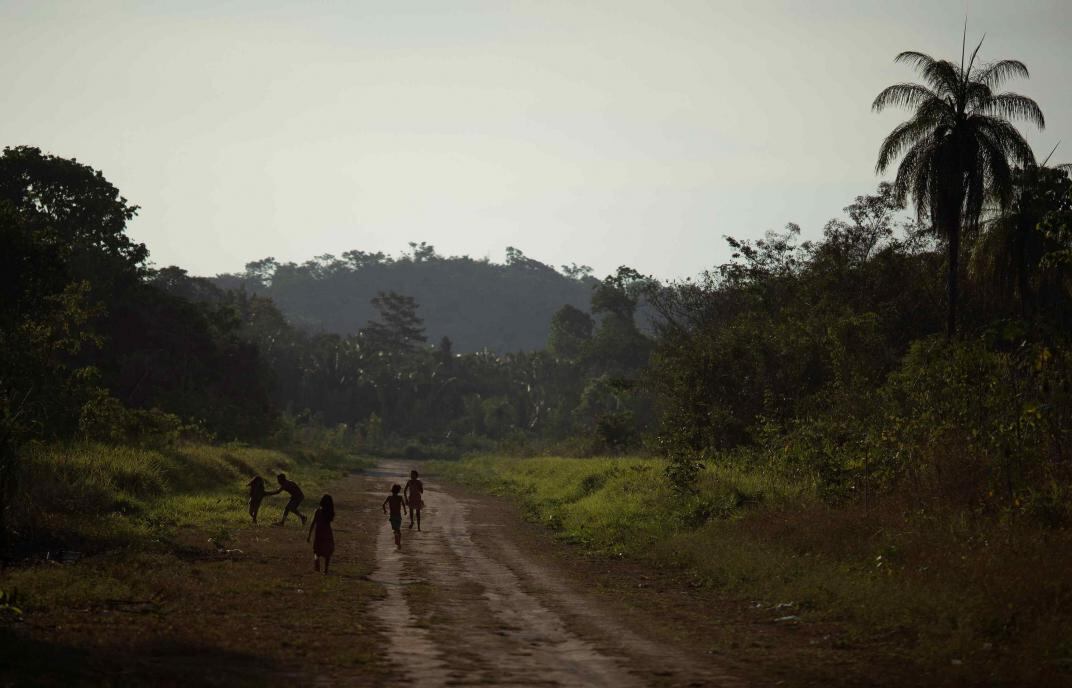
{"x": 604, "y": 133}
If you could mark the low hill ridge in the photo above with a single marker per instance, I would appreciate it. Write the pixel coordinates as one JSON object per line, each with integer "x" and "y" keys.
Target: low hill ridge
{"x": 478, "y": 304}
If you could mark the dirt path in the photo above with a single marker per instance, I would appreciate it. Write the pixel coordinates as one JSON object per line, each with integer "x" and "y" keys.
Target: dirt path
{"x": 480, "y": 597}
{"x": 465, "y": 606}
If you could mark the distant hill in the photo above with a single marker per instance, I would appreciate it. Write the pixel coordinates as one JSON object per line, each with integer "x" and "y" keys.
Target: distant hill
{"x": 476, "y": 303}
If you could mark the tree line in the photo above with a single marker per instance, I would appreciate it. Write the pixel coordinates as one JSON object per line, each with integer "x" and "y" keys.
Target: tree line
{"x": 926, "y": 348}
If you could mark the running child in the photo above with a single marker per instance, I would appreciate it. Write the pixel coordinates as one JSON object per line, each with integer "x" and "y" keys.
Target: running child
{"x": 257, "y": 490}
{"x": 398, "y": 507}
{"x": 414, "y": 495}
{"x": 296, "y": 497}
{"x": 324, "y": 539}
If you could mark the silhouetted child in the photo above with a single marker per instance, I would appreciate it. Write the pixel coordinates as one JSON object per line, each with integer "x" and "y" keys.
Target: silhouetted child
{"x": 257, "y": 491}
{"x": 296, "y": 497}
{"x": 398, "y": 507}
{"x": 414, "y": 495}
{"x": 320, "y": 531}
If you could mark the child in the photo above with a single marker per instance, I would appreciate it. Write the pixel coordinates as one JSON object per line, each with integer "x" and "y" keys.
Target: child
{"x": 324, "y": 542}
{"x": 414, "y": 494}
{"x": 398, "y": 507}
{"x": 256, "y": 495}
{"x": 296, "y": 497}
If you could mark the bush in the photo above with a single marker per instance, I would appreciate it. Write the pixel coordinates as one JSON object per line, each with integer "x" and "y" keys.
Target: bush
{"x": 103, "y": 418}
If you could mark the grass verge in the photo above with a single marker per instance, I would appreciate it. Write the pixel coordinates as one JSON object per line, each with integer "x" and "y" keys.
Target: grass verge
{"x": 83, "y": 500}
{"x": 989, "y": 599}
{"x": 143, "y": 562}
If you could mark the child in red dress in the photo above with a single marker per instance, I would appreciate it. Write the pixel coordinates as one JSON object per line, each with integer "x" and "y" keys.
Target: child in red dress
{"x": 324, "y": 540}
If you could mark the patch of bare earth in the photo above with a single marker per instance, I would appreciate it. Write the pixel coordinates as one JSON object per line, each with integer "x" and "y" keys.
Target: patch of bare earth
{"x": 255, "y": 615}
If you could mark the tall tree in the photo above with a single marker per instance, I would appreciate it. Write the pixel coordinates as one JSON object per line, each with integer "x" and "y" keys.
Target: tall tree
{"x": 399, "y": 328}
{"x": 958, "y": 147}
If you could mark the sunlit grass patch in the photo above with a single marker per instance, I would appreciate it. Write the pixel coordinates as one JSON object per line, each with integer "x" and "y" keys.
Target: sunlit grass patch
{"x": 96, "y": 496}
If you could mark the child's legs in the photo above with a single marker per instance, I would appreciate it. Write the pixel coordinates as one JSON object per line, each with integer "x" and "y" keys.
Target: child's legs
{"x": 327, "y": 562}
{"x": 417, "y": 513}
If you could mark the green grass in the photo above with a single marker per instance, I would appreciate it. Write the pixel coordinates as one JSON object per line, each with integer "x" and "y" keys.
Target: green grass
{"x": 93, "y": 497}
{"x": 946, "y": 584}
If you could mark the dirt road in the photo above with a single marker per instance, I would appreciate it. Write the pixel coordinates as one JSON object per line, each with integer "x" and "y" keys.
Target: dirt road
{"x": 479, "y": 597}
{"x": 466, "y": 606}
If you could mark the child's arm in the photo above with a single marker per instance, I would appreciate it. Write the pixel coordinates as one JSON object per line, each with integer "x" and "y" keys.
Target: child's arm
{"x": 312, "y": 525}
{"x": 269, "y": 494}
{"x": 385, "y": 504}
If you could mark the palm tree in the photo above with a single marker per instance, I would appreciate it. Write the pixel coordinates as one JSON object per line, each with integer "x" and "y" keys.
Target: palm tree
{"x": 958, "y": 148}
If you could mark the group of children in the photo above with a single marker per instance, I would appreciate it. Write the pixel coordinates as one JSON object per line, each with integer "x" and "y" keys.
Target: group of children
{"x": 411, "y": 501}
{"x": 413, "y": 497}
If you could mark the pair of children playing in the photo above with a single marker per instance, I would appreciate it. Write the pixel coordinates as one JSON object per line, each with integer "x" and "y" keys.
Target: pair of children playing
{"x": 258, "y": 491}
{"x": 413, "y": 496}
{"x": 324, "y": 542}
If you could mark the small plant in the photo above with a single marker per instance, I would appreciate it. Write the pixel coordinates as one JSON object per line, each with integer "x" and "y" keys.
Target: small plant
{"x": 9, "y": 604}
{"x": 221, "y": 538}
{"x": 683, "y": 464}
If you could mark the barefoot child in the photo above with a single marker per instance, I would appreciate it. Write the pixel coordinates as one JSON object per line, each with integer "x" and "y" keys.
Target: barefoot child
{"x": 257, "y": 491}
{"x": 398, "y": 507}
{"x": 414, "y": 495}
{"x": 296, "y": 497}
{"x": 324, "y": 541}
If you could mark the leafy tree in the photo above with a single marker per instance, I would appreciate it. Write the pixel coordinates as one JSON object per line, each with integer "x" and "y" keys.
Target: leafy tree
{"x": 577, "y": 272}
{"x": 81, "y": 209}
{"x": 958, "y": 147}
{"x": 399, "y": 328}
{"x": 618, "y": 347}
{"x": 422, "y": 252}
{"x": 571, "y": 332}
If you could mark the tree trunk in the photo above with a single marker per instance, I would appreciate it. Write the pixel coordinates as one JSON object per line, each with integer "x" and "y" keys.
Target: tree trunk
{"x": 953, "y": 257}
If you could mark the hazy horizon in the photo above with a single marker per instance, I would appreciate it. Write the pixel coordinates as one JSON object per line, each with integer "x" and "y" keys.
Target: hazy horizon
{"x": 602, "y": 134}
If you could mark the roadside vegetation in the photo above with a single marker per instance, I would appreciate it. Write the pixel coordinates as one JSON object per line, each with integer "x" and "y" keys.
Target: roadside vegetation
{"x": 986, "y": 599}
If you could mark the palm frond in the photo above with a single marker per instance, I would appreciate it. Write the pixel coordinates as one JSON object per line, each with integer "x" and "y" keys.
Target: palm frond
{"x": 917, "y": 59}
{"x": 977, "y": 94}
{"x": 994, "y": 164}
{"x": 944, "y": 77}
{"x": 911, "y": 177}
{"x": 1052, "y": 151}
{"x": 1014, "y": 106}
{"x": 903, "y": 136}
{"x": 903, "y": 95}
{"x": 940, "y": 74}
{"x": 997, "y": 73}
{"x": 1016, "y": 149}
{"x": 967, "y": 70}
